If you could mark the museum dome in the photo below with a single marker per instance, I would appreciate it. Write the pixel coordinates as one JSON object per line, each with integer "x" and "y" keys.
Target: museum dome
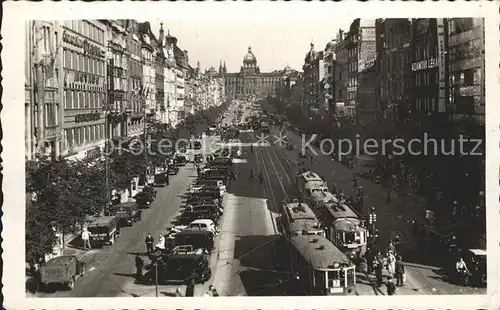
{"x": 249, "y": 57}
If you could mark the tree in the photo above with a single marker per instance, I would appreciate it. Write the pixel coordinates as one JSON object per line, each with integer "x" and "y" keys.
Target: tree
{"x": 123, "y": 167}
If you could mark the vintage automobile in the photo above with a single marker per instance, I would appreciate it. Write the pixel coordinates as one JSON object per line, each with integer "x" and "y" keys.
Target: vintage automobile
{"x": 196, "y": 238}
{"x": 198, "y": 158}
{"x": 64, "y": 269}
{"x": 195, "y": 200}
{"x": 203, "y": 224}
{"x": 104, "y": 230}
{"x": 180, "y": 160}
{"x": 127, "y": 213}
{"x": 162, "y": 179}
{"x": 178, "y": 268}
{"x": 173, "y": 169}
{"x": 144, "y": 198}
{"x": 214, "y": 194}
{"x": 476, "y": 262}
{"x": 202, "y": 213}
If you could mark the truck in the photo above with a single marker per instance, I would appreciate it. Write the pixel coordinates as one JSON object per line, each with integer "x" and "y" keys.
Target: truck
{"x": 104, "y": 230}
{"x": 64, "y": 269}
{"x": 127, "y": 213}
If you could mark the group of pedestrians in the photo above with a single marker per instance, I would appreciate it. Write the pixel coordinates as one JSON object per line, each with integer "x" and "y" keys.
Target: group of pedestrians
{"x": 375, "y": 261}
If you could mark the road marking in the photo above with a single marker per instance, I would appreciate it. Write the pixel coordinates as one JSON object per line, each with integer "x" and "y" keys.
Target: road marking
{"x": 91, "y": 269}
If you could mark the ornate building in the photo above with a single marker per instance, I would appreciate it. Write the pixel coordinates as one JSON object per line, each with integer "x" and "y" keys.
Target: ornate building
{"x": 250, "y": 81}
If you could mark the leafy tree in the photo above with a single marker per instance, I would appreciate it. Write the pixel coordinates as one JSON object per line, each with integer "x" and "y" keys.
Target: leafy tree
{"x": 123, "y": 167}
{"x": 39, "y": 235}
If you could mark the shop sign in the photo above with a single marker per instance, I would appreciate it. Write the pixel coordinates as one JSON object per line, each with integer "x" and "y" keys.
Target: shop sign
{"x": 442, "y": 65}
{"x": 87, "y": 117}
{"x": 424, "y": 64}
{"x": 88, "y": 48}
{"x": 83, "y": 77}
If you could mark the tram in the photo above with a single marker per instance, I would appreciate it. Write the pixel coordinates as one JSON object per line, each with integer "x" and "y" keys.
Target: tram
{"x": 321, "y": 268}
{"x": 298, "y": 219}
{"x": 344, "y": 228}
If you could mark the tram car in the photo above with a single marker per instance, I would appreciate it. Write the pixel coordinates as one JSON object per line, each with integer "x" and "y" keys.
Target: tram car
{"x": 298, "y": 219}
{"x": 344, "y": 228}
{"x": 309, "y": 183}
{"x": 320, "y": 267}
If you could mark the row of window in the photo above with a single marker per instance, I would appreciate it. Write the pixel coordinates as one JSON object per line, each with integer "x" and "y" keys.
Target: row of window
{"x": 347, "y": 53}
{"x": 353, "y": 82}
{"x": 426, "y": 103}
{"x": 467, "y": 77}
{"x": 83, "y": 135}
{"x": 353, "y": 67}
{"x": 86, "y": 29}
{"x": 423, "y": 78}
{"x": 77, "y": 61}
{"x": 118, "y": 83}
{"x": 76, "y": 99}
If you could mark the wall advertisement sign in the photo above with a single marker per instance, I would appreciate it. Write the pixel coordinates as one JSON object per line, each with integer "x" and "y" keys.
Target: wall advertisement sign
{"x": 83, "y": 78}
{"x": 424, "y": 64}
{"x": 88, "y": 48}
{"x": 442, "y": 65}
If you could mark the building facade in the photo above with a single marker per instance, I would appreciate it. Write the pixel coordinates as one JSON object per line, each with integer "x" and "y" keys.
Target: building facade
{"x": 466, "y": 105}
{"x": 429, "y": 73}
{"x": 393, "y": 45}
{"x": 135, "y": 111}
{"x": 160, "y": 76}
{"x": 341, "y": 75}
{"x": 367, "y": 109}
{"x": 148, "y": 52}
{"x": 314, "y": 71}
{"x": 250, "y": 81}
{"x": 84, "y": 48}
{"x": 43, "y": 91}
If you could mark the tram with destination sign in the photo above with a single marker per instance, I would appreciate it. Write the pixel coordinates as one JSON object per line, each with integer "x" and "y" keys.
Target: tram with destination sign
{"x": 320, "y": 267}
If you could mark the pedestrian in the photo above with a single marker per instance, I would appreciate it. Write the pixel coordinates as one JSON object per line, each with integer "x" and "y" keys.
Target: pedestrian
{"x": 341, "y": 194}
{"x": 233, "y": 175}
{"x": 198, "y": 170}
{"x": 363, "y": 265}
{"x": 391, "y": 288}
{"x": 360, "y": 191}
{"x": 378, "y": 265}
{"x": 391, "y": 264}
{"x": 149, "y": 243}
{"x": 334, "y": 189}
{"x": 391, "y": 248}
{"x": 215, "y": 293}
{"x": 354, "y": 183}
{"x": 86, "y": 235}
{"x": 388, "y": 199}
{"x": 400, "y": 271}
{"x": 139, "y": 263}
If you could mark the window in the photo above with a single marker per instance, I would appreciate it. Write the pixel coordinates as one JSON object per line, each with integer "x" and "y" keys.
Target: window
{"x": 51, "y": 114}
{"x": 81, "y": 102}
{"x": 69, "y": 137}
{"x": 68, "y": 102}
{"x": 459, "y": 25}
{"x": 468, "y": 77}
{"x": 80, "y": 62}
{"x": 74, "y": 60}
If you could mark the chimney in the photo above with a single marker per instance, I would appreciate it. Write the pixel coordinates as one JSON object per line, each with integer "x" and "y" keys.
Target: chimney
{"x": 160, "y": 38}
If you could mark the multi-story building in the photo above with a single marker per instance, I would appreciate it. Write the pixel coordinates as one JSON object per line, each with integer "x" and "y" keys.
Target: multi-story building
{"x": 250, "y": 81}
{"x": 341, "y": 76}
{"x": 366, "y": 95}
{"x": 43, "y": 88}
{"x": 117, "y": 78}
{"x": 466, "y": 106}
{"x": 429, "y": 73}
{"x": 393, "y": 38}
{"x": 148, "y": 52}
{"x": 170, "y": 88}
{"x": 160, "y": 77}
{"x": 84, "y": 47}
{"x": 181, "y": 67}
{"x": 313, "y": 74}
{"x": 135, "y": 109}
{"x": 360, "y": 46}
{"x": 328, "y": 80}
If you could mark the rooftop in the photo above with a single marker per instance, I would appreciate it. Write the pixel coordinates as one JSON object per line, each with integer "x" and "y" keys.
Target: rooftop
{"x": 319, "y": 251}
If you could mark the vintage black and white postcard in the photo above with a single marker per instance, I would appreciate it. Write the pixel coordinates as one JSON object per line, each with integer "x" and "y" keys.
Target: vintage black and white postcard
{"x": 305, "y": 154}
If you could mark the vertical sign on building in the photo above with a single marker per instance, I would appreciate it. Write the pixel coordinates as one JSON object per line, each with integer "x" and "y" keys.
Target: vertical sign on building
{"x": 442, "y": 65}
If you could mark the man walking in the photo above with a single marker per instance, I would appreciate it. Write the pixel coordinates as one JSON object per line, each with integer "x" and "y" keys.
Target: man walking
{"x": 86, "y": 239}
{"x": 139, "y": 263}
{"x": 149, "y": 243}
{"x": 391, "y": 288}
{"x": 400, "y": 271}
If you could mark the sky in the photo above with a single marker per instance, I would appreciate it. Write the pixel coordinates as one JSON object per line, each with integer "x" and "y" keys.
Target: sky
{"x": 275, "y": 44}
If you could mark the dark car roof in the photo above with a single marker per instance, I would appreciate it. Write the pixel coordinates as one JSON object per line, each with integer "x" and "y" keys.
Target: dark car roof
{"x": 194, "y": 232}
{"x": 103, "y": 221}
{"x": 125, "y": 204}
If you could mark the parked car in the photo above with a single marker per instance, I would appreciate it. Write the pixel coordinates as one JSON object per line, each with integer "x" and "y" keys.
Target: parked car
{"x": 127, "y": 213}
{"x": 203, "y": 224}
{"x": 178, "y": 268}
{"x": 197, "y": 239}
{"x": 173, "y": 170}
